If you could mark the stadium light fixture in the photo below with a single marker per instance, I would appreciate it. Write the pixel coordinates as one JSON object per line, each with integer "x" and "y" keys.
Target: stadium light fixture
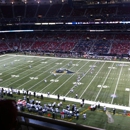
{"x": 25, "y": 2}
{"x": 50, "y": 1}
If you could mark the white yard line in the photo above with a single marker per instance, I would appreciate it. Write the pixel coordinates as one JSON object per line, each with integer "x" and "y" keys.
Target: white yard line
{"x": 92, "y": 80}
{"x": 19, "y": 74}
{"x": 69, "y": 78}
{"x": 14, "y": 68}
{"x": 44, "y": 78}
{"x": 26, "y": 75}
{"x": 2, "y": 55}
{"x": 56, "y": 78}
{"x": 117, "y": 84}
{"x": 129, "y": 98}
{"x": 103, "y": 82}
{"x": 38, "y": 76}
{"x": 5, "y": 60}
{"x": 80, "y": 80}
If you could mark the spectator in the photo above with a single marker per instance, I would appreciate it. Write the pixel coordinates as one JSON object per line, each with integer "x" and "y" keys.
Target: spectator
{"x": 34, "y": 94}
{"x": 58, "y": 96}
{"x": 64, "y": 99}
{"x": 81, "y": 104}
{"x": 104, "y": 109}
{"x": 41, "y": 96}
{"x": 48, "y": 94}
{"x": 8, "y": 114}
{"x": 83, "y": 100}
{"x": 98, "y": 105}
{"x": 27, "y": 99}
{"x": 114, "y": 111}
{"x": 124, "y": 112}
{"x": 62, "y": 115}
{"x": 77, "y": 116}
{"x": 53, "y": 115}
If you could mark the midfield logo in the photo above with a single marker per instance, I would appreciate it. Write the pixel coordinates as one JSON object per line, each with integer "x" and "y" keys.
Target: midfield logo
{"x": 62, "y": 71}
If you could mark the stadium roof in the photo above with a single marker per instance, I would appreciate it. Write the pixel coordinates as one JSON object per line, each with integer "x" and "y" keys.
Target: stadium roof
{"x": 84, "y": 2}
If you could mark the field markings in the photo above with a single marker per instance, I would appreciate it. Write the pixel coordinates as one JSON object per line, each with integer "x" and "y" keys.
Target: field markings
{"x": 80, "y": 79}
{"x": 13, "y": 72}
{"x": 14, "y": 68}
{"x": 35, "y": 76}
{"x": 73, "y": 59}
{"x": 4, "y": 60}
{"x": 129, "y": 99}
{"x": 103, "y": 82}
{"x": 45, "y": 78}
{"x": 23, "y": 76}
{"x": 38, "y": 76}
{"x": 117, "y": 84}
{"x": 69, "y": 78}
{"x": 92, "y": 80}
{"x": 2, "y": 55}
{"x": 56, "y": 78}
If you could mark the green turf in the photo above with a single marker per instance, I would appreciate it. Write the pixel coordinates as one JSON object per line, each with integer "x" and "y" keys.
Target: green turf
{"x": 115, "y": 79}
{"x": 96, "y": 118}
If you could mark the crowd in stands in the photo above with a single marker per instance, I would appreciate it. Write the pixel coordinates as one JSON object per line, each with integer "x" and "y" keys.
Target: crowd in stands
{"x": 65, "y": 42}
{"x": 95, "y": 44}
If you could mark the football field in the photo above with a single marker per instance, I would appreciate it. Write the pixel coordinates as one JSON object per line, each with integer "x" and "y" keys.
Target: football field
{"x": 94, "y": 80}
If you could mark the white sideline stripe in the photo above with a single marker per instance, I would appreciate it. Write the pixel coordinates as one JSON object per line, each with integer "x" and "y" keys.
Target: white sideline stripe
{"x": 103, "y": 83}
{"x": 92, "y": 80}
{"x": 117, "y": 84}
{"x": 72, "y": 58}
{"x": 69, "y": 78}
{"x": 56, "y": 78}
{"x": 44, "y": 78}
{"x": 76, "y": 100}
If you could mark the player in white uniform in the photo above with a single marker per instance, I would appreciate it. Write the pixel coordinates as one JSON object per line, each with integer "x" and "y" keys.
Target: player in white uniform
{"x": 30, "y": 66}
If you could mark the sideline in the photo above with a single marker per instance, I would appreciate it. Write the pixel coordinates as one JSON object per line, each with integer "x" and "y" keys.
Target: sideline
{"x": 71, "y": 58}
{"x": 72, "y": 99}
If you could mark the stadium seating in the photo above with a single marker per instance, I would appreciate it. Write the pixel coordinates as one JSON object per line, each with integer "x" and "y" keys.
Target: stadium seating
{"x": 64, "y": 41}
{"x": 94, "y": 44}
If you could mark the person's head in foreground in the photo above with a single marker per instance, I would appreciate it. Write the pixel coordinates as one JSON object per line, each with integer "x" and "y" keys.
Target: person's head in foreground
{"x": 8, "y": 114}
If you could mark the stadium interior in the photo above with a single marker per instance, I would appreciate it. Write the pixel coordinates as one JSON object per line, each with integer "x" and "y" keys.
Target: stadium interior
{"x": 64, "y": 28}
